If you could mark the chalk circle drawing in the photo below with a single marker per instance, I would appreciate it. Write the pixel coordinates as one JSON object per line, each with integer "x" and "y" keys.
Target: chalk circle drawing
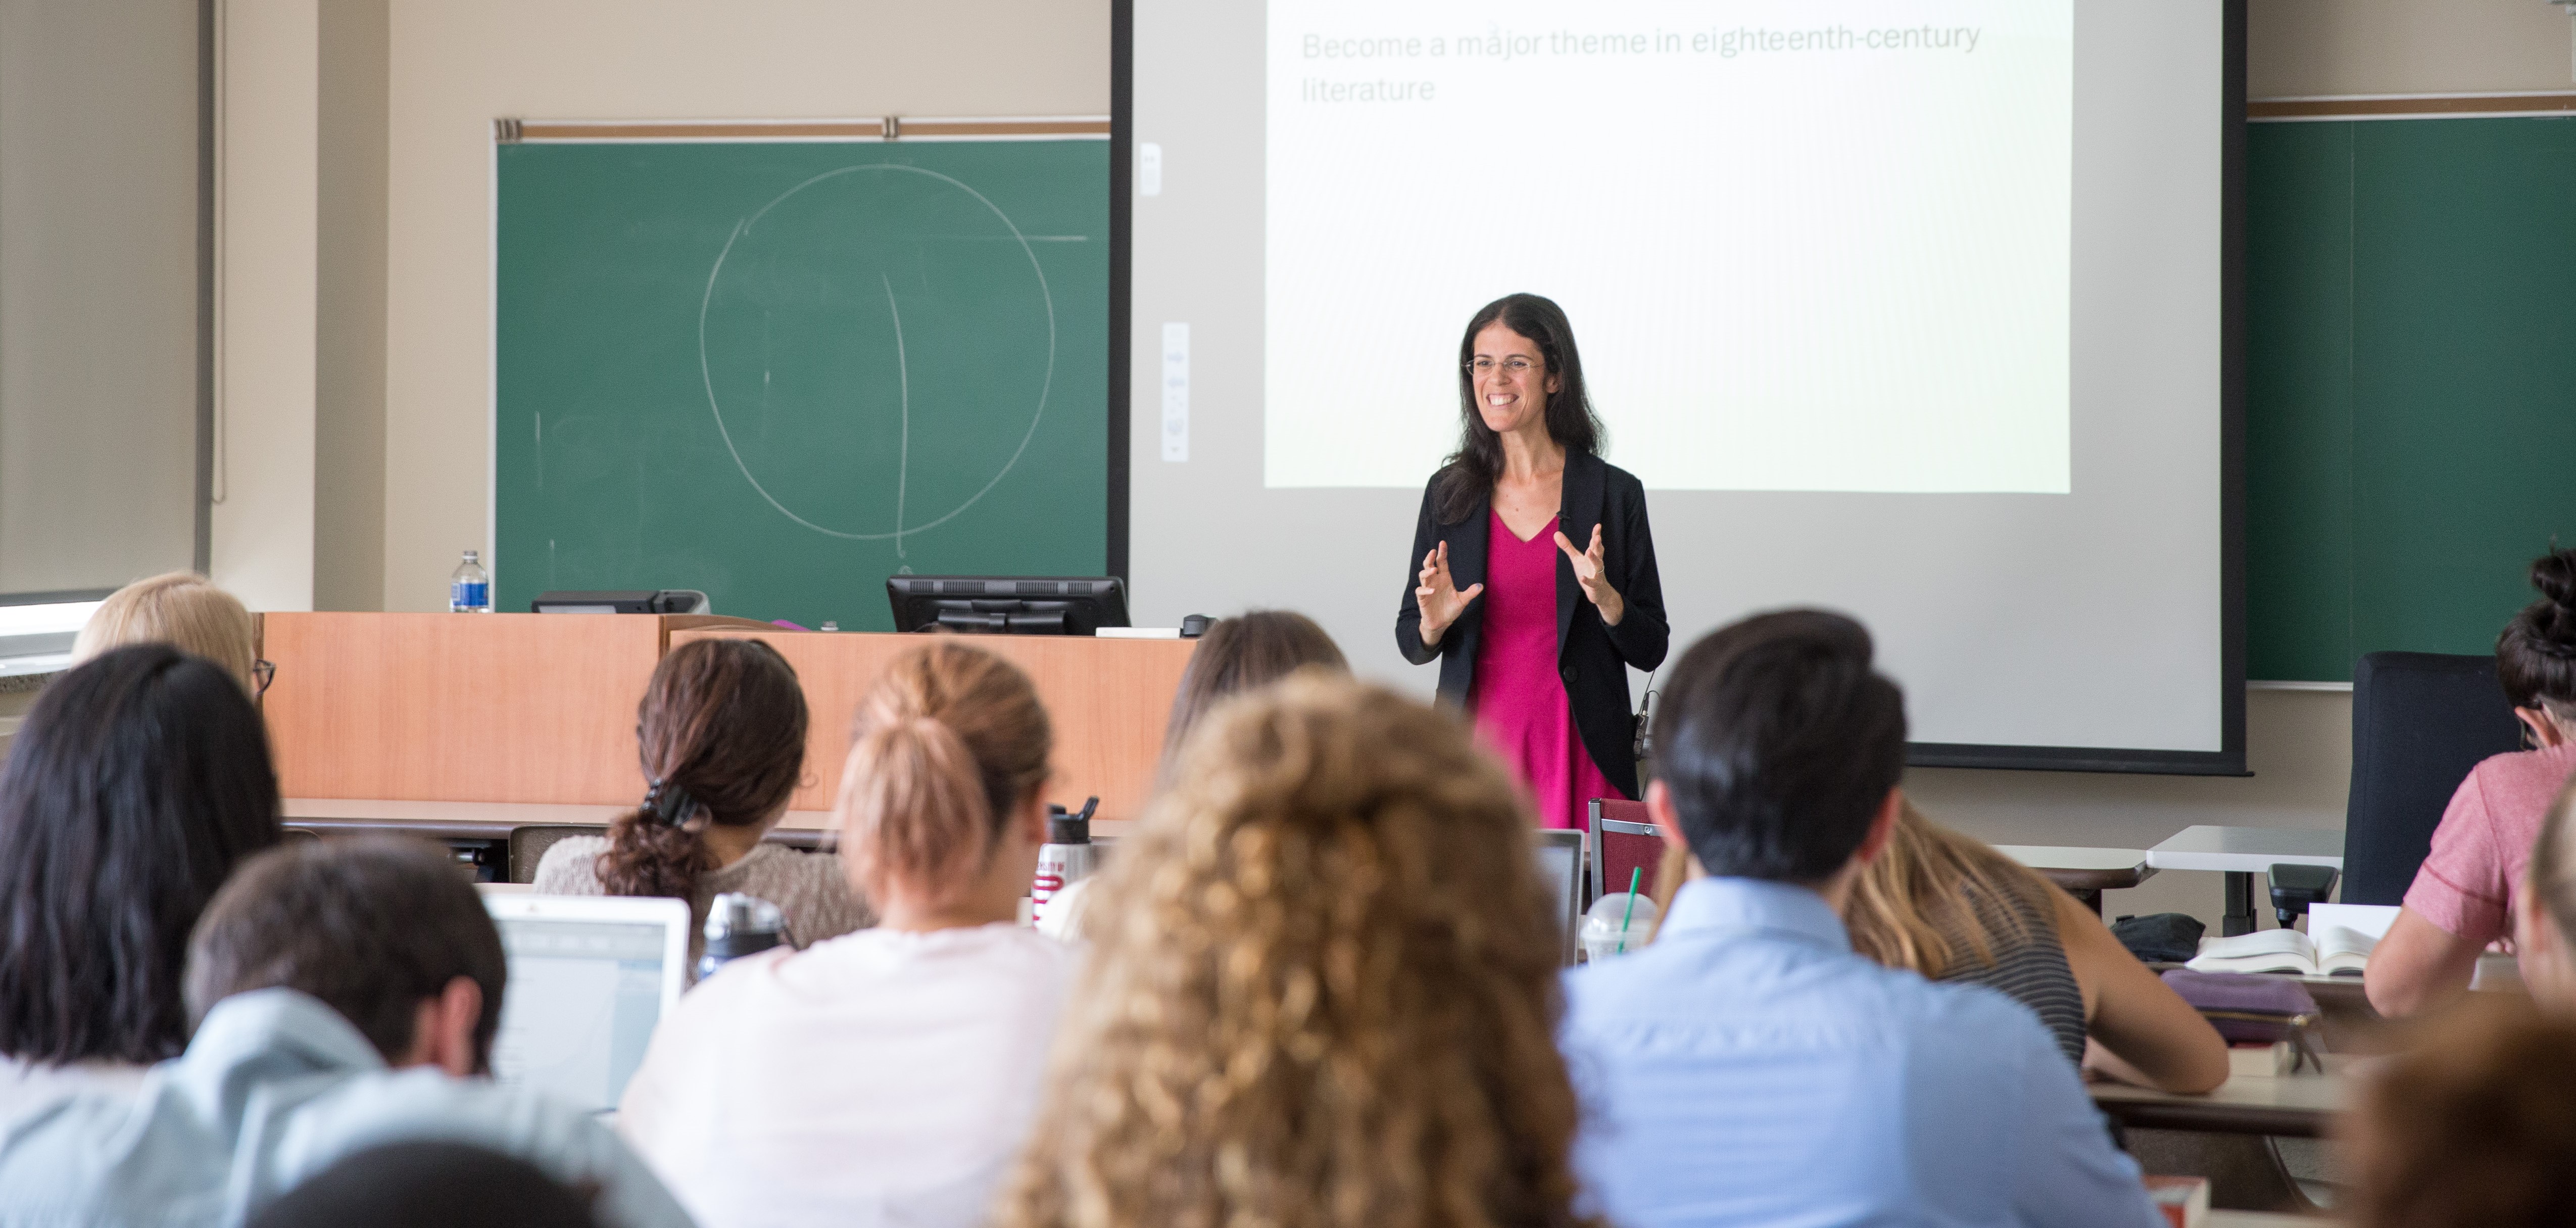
{"x": 802, "y": 333}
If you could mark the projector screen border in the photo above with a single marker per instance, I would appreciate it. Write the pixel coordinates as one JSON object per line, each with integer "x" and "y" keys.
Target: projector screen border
{"x": 2228, "y": 760}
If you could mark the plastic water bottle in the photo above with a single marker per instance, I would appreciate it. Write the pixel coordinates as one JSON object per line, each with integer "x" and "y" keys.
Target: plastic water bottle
{"x": 469, "y": 590}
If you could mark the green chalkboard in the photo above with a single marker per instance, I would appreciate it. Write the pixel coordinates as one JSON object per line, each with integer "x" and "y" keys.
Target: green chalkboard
{"x": 2410, "y": 382}
{"x": 781, "y": 372}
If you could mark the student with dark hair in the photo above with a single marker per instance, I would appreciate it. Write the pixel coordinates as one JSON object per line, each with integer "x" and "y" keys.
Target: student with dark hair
{"x": 139, "y": 781}
{"x": 2463, "y": 897}
{"x": 1748, "y": 1067}
{"x": 345, "y": 996}
{"x": 1242, "y": 653}
{"x": 721, "y": 731}
{"x": 429, "y": 1185}
{"x": 887, "y": 1076}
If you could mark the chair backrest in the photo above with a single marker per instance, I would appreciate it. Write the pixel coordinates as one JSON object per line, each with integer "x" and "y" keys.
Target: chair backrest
{"x": 2420, "y": 721}
{"x": 1623, "y": 840}
{"x": 528, "y": 845}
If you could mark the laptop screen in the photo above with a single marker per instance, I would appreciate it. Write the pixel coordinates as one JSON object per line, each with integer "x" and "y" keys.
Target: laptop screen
{"x": 1560, "y": 862}
{"x": 585, "y": 992}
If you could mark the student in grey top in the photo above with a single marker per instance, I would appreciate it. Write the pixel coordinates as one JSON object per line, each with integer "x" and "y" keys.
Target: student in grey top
{"x": 345, "y": 996}
{"x": 721, "y": 732}
{"x": 140, "y": 780}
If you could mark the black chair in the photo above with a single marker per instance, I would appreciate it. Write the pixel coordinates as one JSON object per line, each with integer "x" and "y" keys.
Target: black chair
{"x": 2420, "y": 721}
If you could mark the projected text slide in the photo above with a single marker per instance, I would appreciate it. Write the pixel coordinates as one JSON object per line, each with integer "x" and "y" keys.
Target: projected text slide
{"x": 1804, "y": 246}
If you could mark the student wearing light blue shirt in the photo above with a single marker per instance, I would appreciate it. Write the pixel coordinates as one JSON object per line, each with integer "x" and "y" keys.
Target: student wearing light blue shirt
{"x": 347, "y": 995}
{"x": 1748, "y": 1068}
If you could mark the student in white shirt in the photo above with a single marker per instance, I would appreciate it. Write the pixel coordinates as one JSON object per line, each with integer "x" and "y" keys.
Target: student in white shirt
{"x": 886, "y": 1076}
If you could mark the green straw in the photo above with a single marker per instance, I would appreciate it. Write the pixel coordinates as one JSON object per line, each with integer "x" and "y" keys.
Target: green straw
{"x": 1633, "y": 872}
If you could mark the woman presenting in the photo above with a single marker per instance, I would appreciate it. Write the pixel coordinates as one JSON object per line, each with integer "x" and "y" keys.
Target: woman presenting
{"x": 1535, "y": 632}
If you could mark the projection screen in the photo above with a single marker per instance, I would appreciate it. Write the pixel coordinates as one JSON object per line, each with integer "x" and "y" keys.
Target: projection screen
{"x": 1922, "y": 310}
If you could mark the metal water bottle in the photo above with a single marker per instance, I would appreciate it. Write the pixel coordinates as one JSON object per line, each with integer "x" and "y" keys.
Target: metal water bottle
{"x": 1066, "y": 858}
{"x": 738, "y": 925}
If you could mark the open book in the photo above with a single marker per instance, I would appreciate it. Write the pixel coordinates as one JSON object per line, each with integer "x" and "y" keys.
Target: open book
{"x": 2333, "y": 951}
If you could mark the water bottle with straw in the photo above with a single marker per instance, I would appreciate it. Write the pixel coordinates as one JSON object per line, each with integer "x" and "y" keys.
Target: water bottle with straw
{"x": 1619, "y": 922}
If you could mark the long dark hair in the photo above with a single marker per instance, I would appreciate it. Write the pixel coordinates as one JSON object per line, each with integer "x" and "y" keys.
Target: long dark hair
{"x": 140, "y": 780}
{"x": 1250, "y": 650}
{"x": 721, "y": 734}
{"x": 1471, "y": 471}
{"x": 2536, "y": 655}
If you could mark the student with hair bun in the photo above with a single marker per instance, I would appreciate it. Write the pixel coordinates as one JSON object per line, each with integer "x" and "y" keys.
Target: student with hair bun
{"x": 887, "y": 1076}
{"x": 2464, "y": 896}
{"x": 721, "y": 732}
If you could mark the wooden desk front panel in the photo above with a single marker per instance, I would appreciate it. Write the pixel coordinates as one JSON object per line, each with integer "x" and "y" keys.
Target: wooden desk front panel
{"x": 1108, "y": 700}
{"x": 459, "y": 707}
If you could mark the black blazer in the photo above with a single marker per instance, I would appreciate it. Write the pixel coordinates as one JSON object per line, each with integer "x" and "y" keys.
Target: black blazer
{"x": 1590, "y": 656}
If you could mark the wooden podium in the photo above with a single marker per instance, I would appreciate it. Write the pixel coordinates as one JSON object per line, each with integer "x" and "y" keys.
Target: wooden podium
{"x": 1107, "y": 699}
{"x": 540, "y": 708}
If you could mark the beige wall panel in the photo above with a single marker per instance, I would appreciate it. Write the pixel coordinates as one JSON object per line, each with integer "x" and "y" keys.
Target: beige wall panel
{"x": 263, "y": 519}
{"x": 2304, "y": 48}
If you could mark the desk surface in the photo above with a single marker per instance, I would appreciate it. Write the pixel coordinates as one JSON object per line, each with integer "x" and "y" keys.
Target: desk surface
{"x": 494, "y": 820}
{"x": 2295, "y": 1106}
{"x": 2247, "y": 849}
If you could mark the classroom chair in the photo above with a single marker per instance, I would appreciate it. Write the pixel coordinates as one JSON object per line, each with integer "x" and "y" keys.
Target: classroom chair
{"x": 528, "y": 845}
{"x": 1621, "y": 840}
{"x": 2420, "y": 721}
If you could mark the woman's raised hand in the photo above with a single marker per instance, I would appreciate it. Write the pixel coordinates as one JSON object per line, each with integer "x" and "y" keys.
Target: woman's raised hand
{"x": 1438, "y": 595}
{"x": 1587, "y": 572}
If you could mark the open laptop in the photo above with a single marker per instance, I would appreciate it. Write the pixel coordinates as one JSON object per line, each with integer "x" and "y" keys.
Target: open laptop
{"x": 590, "y": 977}
{"x": 1560, "y": 862}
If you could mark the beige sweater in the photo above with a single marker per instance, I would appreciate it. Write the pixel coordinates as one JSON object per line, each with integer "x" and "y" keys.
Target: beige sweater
{"x": 809, "y": 888}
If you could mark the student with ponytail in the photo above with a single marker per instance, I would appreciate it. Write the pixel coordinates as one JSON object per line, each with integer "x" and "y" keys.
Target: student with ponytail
{"x": 2464, "y": 897}
{"x": 890, "y": 1075}
{"x": 721, "y": 732}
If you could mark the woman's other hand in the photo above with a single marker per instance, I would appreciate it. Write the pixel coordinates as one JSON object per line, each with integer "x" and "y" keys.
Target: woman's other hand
{"x": 1438, "y": 595}
{"x": 1587, "y": 572}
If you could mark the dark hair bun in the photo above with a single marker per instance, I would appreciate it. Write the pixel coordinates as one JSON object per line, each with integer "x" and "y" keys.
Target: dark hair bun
{"x": 2536, "y": 655}
{"x": 2554, "y": 574}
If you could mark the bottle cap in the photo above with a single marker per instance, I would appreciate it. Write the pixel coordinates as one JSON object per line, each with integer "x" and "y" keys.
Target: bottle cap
{"x": 1073, "y": 827}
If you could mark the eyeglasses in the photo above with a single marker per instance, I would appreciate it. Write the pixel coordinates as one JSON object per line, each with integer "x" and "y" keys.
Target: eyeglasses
{"x": 1515, "y": 364}
{"x": 262, "y": 673}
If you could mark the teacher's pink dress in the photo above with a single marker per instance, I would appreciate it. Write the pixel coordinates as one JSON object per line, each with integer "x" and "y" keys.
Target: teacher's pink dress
{"x": 1518, "y": 696}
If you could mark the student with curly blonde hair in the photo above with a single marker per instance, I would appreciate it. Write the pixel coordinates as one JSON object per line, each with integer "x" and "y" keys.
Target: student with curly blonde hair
{"x": 1324, "y": 992}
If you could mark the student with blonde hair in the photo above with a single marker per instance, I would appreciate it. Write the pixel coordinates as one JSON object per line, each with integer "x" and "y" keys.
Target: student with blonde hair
{"x": 1324, "y": 992}
{"x": 887, "y": 1076}
{"x": 1952, "y": 908}
{"x": 186, "y": 611}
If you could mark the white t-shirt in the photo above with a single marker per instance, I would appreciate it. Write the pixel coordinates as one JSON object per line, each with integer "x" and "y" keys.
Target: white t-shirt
{"x": 879, "y": 1078}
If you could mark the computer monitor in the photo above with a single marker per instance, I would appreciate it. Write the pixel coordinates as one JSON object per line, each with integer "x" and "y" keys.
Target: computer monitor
{"x": 1008, "y": 605}
{"x": 590, "y": 978}
{"x": 1560, "y": 862}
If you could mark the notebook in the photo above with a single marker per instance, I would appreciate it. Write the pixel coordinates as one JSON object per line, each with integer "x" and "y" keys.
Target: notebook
{"x": 590, "y": 978}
